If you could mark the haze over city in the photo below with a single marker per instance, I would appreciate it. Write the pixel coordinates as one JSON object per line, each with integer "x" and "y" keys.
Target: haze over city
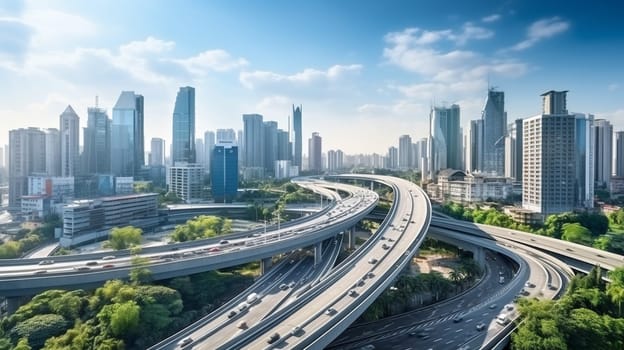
{"x": 350, "y": 64}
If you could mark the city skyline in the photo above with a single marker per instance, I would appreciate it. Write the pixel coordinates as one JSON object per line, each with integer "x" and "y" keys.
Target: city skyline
{"x": 360, "y": 70}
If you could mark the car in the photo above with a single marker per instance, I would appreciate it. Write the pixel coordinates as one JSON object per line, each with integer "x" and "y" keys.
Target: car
{"x": 390, "y": 240}
{"x": 184, "y": 342}
{"x": 40, "y": 272}
{"x": 292, "y": 284}
{"x": 551, "y": 286}
{"x": 370, "y": 275}
{"x": 108, "y": 257}
{"x": 243, "y": 306}
{"x": 458, "y": 318}
{"x": 232, "y": 313}
{"x": 82, "y": 268}
{"x": 569, "y": 249}
{"x": 532, "y": 239}
{"x": 46, "y": 262}
{"x": 283, "y": 286}
{"x": 500, "y": 273}
{"x": 242, "y": 325}
{"x": 273, "y": 338}
{"x": 360, "y": 283}
{"x": 492, "y": 306}
{"x": 352, "y": 293}
{"x": 214, "y": 249}
{"x": 385, "y": 246}
{"x": 108, "y": 266}
{"x": 419, "y": 334}
{"x": 187, "y": 254}
{"x": 600, "y": 256}
{"x": 528, "y": 284}
{"x": 382, "y": 238}
{"x": 372, "y": 261}
{"x": 295, "y": 330}
{"x": 509, "y": 307}
{"x": 480, "y": 326}
{"x": 91, "y": 263}
{"x": 224, "y": 241}
{"x": 330, "y": 311}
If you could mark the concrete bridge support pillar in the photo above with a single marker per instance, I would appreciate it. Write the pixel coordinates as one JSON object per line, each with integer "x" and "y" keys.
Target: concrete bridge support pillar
{"x": 351, "y": 237}
{"x": 13, "y": 303}
{"x": 318, "y": 253}
{"x": 265, "y": 265}
{"x": 478, "y": 254}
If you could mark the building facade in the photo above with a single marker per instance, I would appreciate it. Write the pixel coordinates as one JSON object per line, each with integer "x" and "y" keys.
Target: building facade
{"x": 186, "y": 181}
{"x": 127, "y": 144}
{"x": 27, "y": 155}
{"x": 604, "y": 156}
{"x": 445, "y": 143}
{"x": 619, "y": 154}
{"x": 254, "y": 140}
{"x": 584, "y": 164}
{"x": 315, "y": 153}
{"x": 183, "y": 138}
{"x": 224, "y": 173}
{"x": 549, "y": 157}
{"x": 157, "y": 152}
{"x": 69, "y": 128}
{"x": 459, "y": 187}
{"x": 97, "y": 142}
{"x": 405, "y": 152}
{"x": 494, "y": 127}
{"x": 298, "y": 142}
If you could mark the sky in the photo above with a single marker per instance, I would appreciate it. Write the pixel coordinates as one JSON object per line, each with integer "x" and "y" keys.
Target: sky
{"x": 365, "y": 72}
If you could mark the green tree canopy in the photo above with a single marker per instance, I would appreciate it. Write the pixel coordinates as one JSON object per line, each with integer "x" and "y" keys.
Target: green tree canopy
{"x": 574, "y": 232}
{"x": 124, "y": 237}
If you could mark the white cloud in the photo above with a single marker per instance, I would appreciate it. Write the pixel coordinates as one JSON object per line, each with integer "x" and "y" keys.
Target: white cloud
{"x": 212, "y": 60}
{"x": 308, "y": 76}
{"x": 150, "y": 46}
{"x": 491, "y": 18}
{"x": 54, "y": 29}
{"x": 542, "y": 29}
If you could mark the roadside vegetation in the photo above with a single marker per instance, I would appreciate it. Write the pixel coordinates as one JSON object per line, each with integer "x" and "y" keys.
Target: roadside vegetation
{"x": 589, "y": 316}
{"x": 590, "y": 229}
{"x": 26, "y": 240}
{"x": 203, "y": 226}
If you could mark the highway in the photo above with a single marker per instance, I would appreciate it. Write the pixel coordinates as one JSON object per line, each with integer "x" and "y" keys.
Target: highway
{"x": 322, "y": 313}
{"x": 27, "y": 276}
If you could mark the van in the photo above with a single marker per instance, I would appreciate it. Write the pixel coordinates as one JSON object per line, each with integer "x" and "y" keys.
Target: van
{"x": 252, "y": 298}
{"x": 502, "y": 319}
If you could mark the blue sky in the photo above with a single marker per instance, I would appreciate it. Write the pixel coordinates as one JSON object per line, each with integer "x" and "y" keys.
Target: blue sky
{"x": 365, "y": 72}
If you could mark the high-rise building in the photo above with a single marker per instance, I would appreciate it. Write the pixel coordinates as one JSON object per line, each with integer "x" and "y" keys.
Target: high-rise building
{"x": 392, "y": 158}
{"x": 445, "y": 144}
{"x": 270, "y": 146}
{"x": 199, "y": 152}
{"x": 334, "y": 160}
{"x": 69, "y": 128}
{"x": 254, "y": 140}
{"x": 283, "y": 145}
{"x": 494, "y": 127}
{"x": 584, "y": 164}
{"x": 422, "y": 155}
{"x": 226, "y": 135}
{"x": 315, "y": 152}
{"x": 186, "y": 181}
{"x": 604, "y": 155}
{"x": 209, "y": 144}
{"x": 619, "y": 154}
{"x": 157, "y": 151}
{"x": 405, "y": 152}
{"x": 549, "y": 158}
{"x": 127, "y": 144}
{"x": 224, "y": 173}
{"x": 52, "y": 151}
{"x": 183, "y": 139}
{"x": 513, "y": 151}
{"x": 298, "y": 143}
{"x": 27, "y": 155}
{"x": 475, "y": 163}
{"x": 97, "y": 142}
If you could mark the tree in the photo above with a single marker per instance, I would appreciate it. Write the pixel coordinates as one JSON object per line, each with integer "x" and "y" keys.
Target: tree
{"x": 22, "y": 344}
{"x": 125, "y": 319}
{"x": 124, "y": 237}
{"x": 140, "y": 274}
{"x": 576, "y": 233}
{"x": 39, "y": 328}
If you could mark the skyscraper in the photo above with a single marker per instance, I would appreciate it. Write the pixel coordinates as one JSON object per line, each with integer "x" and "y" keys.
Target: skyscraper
{"x": 69, "y": 128}
{"x": 445, "y": 144}
{"x": 157, "y": 151}
{"x": 209, "y": 144}
{"x": 26, "y": 156}
{"x": 283, "y": 145}
{"x": 548, "y": 158}
{"x": 513, "y": 151}
{"x": 315, "y": 153}
{"x": 494, "y": 127}
{"x": 619, "y": 154}
{"x": 52, "y": 151}
{"x": 405, "y": 152}
{"x": 97, "y": 142}
{"x": 200, "y": 156}
{"x": 254, "y": 140}
{"x": 584, "y": 164}
{"x": 183, "y": 139}
{"x": 334, "y": 160}
{"x": 226, "y": 135}
{"x": 604, "y": 155}
{"x": 475, "y": 163}
{"x": 298, "y": 135}
{"x": 393, "y": 158}
{"x": 127, "y": 135}
{"x": 224, "y": 173}
{"x": 270, "y": 146}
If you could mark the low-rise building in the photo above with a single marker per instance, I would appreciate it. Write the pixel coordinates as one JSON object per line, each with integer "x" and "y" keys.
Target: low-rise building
{"x": 467, "y": 188}
{"x": 84, "y": 216}
{"x": 36, "y": 206}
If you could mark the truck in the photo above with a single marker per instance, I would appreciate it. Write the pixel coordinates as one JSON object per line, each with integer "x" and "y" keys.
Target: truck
{"x": 501, "y": 279}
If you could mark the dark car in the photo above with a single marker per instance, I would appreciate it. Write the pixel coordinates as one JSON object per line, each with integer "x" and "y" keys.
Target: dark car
{"x": 273, "y": 338}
